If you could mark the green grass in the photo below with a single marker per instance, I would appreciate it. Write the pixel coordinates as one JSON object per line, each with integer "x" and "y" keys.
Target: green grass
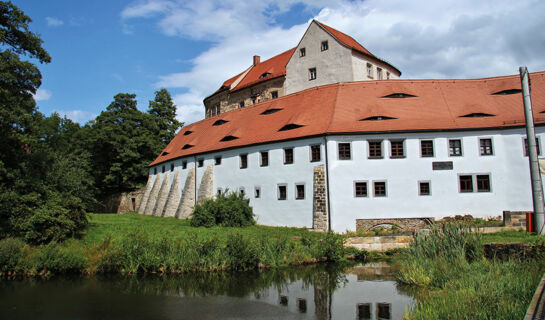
{"x": 456, "y": 281}
{"x": 512, "y": 236}
{"x": 132, "y": 243}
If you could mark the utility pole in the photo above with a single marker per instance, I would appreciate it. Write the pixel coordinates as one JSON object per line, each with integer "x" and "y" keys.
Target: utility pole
{"x": 537, "y": 188}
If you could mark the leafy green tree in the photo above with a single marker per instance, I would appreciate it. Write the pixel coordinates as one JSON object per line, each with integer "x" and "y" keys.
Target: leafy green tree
{"x": 41, "y": 188}
{"x": 163, "y": 119}
{"x": 122, "y": 146}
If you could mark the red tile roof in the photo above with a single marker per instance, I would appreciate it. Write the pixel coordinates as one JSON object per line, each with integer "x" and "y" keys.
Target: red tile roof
{"x": 340, "y": 108}
{"x": 276, "y": 66}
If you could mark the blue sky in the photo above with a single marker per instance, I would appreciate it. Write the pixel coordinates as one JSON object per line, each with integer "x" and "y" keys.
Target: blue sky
{"x": 100, "y": 48}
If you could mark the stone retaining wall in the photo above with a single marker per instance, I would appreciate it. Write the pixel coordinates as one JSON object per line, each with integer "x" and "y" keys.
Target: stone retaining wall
{"x": 405, "y": 224}
{"x": 383, "y": 243}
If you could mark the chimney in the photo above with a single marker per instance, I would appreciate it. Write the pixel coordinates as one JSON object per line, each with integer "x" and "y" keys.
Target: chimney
{"x": 257, "y": 59}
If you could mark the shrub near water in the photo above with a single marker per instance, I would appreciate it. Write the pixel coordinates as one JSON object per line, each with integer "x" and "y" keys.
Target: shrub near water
{"x": 227, "y": 210}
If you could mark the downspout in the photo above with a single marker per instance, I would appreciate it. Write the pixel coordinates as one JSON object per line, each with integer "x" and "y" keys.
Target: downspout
{"x": 327, "y": 186}
{"x": 195, "y": 163}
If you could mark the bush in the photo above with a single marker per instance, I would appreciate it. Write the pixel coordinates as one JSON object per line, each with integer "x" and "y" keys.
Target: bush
{"x": 10, "y": 253}
{"x": 230, "y": 210}
{"x": 242, "y": 253}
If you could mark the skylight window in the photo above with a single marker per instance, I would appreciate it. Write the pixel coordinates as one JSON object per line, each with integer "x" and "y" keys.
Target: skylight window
{"x": 507, "y": 92}
{"x": 188, "y": 132}
{"x": 477, "y": 115}
{"x": 187, "y": 146}
{"x": 400, "y": 95}
{"x": 377, "y": 118}
{"x": 270, "y": 111}
{"x": 219, "y": 122}
{"x": 290, "y": 126}
{"x": 228, "y": 138}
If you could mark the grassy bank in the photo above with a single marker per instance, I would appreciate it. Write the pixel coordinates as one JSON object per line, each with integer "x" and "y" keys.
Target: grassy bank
{"x": 457, "y": 282}
{"x": 133, "y": 243}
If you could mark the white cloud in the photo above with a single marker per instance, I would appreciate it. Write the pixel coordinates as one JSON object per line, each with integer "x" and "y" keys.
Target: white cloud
{"x": 424, "y": 39}
{"x": 54, "y": 22}
{"x": 42, "y": 95}
{"x": 80, "y": 116}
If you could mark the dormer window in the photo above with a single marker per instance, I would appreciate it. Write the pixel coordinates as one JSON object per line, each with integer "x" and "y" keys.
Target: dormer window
{"x": 324, "y": 45}
{"x": 270, "y": 111}
{"x": 507, "y": 92}
{"x": 399, "y": 95}
{"x": 312, "y": 74}
{"x": 379, "y": 74}
{"x": 477, "y": 115}
{"x": 164, "y": 154}
{"x": 219, "y": 122}
{"x": 290, "y": 126}
{"x": 218, "y": 109}
{"x": 370, "y": 71}
{"x": 241, "y": 104}
{"x": 264, "y": 75}
{"x": 274, "y": 94}
{"x": 387, "y": 75}
{"x": 302, "y": 52}
{"x": 377, "y": 118}
{"x": 228, "y": 138}
{"x": 188, "y": 132}
{"x": 187, "y": 146}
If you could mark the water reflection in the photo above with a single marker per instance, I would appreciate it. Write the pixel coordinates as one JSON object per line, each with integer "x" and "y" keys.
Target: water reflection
{"x": 310, "y": 292}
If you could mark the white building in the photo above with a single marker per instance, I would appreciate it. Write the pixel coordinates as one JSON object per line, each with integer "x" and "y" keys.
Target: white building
{"x": 328, "y": 155}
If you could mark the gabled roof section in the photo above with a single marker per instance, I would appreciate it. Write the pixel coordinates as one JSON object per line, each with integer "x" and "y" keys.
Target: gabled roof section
{"x": 339, "y": 108}
{"x": 350, "y": 42}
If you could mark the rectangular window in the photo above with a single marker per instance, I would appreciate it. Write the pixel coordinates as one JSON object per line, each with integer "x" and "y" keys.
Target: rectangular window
{"x": 388, "y": 75}
{"x": 299, "y": 191}
{"x": 200, "y": 162}
{"x": 312, "y": 74}
{"x": 217, "y": 160}
{"x": 364, "y": 311}
{"x": 264, "y": 158}
{"x": 466, "y": 183}
{"x": 486, "y": 147}
{"x": 163, "y": 169}
{"x": 455, "y": 147}
{"x": 302, "y": 52}
{"x": 396, "y": 149}
{"x": 315, "y": 153}
{"x": 384, "y": 311}
{"x": 379, "y": 74}
{"x": 282, "y": 192}
{"x": 218, "y": 109}
{"x": 526, "y": 147}
{"x": 324, "y": 46}
{"x": 243, "y": 161}
{"x": 155, "y": 170}
{"x": 241, "y": 104}
{"x": 483, "y": 183}
{"x": 172, "y": 167}
{"x": 241, "y": 191}
{"x": 375, "y": 149}
{"x": 344, "y": 151}
{"x": 370, "y": 70}
{"x": 184, "y": 164}
{"x": 257, "y": 192}
{"x": 360, "y": 189}
{"x": 424, "y": 188}
{"x": 288, "y": 156}
{"x": 274, "y": 94}
{"x": 426, "y": 148}
{"x": 379, "y": 188}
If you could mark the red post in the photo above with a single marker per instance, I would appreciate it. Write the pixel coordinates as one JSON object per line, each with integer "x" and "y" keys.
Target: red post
{"x": 529, "y": 220}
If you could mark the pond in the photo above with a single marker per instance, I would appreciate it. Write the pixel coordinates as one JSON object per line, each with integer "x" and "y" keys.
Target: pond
{"x": 322, "y": 291}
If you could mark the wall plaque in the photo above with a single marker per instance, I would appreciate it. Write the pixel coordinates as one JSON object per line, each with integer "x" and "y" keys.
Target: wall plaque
{"x": 442, "y": 165}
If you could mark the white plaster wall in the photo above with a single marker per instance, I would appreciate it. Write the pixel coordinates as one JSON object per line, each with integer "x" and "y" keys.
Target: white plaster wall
{"x": 332, "y": 65}
{"x": 268, "y": 209}
{"x": 508, "y": 169}
{"x": 359, "y": 68}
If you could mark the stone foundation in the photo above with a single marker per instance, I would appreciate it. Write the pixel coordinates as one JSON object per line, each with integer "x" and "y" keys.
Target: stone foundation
{"x": 383, "y": 243}
{"x": 122, "y": 202}
{"x": 405, "y": 224}
{"x": 514, "y": 218}
{"x": 188, "y": 196}
{"x": 319, "y": 200}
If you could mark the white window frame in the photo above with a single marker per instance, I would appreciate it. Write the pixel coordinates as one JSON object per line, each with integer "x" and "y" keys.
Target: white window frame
{"x": 278, "y": 191}
{"x": 491, "y": 145}
{"x": 304, "y": 191}
{"x": 461, "y": 147}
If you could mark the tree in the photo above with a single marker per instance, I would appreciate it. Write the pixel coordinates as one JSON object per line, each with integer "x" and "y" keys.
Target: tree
{"x": 163, "y": 114}
{"x": 122, "y": 146}
{"x": 40, "y": 188}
